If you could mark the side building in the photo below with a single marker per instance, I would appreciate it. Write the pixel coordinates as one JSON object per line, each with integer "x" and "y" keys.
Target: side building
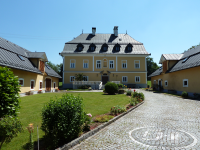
{"x": 30, "y": 67}
{"x": 105, "y": 57}
{"x": 179, "y": 72}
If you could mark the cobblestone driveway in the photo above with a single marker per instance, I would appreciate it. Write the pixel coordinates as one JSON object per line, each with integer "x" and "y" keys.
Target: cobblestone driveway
{"x": 162, "y": 122}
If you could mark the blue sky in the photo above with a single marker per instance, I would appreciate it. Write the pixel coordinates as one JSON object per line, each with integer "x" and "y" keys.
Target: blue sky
{"x": 164, "y": 27}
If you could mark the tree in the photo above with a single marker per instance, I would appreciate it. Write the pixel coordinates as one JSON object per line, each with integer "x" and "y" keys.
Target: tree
{"x": 151, "y": 66}
{"x": 79, "y": 77}
{"x": 58, "y": 68}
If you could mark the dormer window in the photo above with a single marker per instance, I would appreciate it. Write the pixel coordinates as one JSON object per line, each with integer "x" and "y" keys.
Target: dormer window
{"x": 104, "y": 47}
{"x": 117, "y": 48}
{"x": 92, "y": 47}
{"x": 129, "y": 47}
{"x": 79, "y": 47}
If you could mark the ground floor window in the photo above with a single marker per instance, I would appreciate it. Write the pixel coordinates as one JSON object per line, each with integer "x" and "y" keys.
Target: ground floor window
{"x": 72, "y": 78}
{"x": 124, "y": 79}
{"x": 32, "y": 84}
{"x": 85, "y": 78}
{"x": 166, "y": 83}
{"x": 137, "y": 78}
{"x": 40, "y": 85}
{"x": 21, "y": 81}
{"x": 185, "y": 82}
{"x": 54, "y": 85}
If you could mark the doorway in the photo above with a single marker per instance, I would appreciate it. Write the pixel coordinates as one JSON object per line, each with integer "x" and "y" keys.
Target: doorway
{"x": 48, "y": 84}
{"x": 104, "y": 79}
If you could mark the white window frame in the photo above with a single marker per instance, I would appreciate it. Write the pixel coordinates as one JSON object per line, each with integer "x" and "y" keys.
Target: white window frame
{"x": 33, "y": 85}
{"x": 86, "y": 77}
{"x": 53, "y": 85}
{"x": 70, "y": 78}
{"x": 21, "y": 79}
{"x": 125, "y": 77}
{"x": 73, "y": 63}
{"x": 97, "y": 64}
{"x": 183, "y": 82}
{"x": 136, "y": 63}
{"x": 110, "y": 64}
{"x": 165, "y": 83}
{"x": 85, "y": 63}
{"x": 160, "y": 82}
{"x": 136, "y": 80}
{"x": 126, "y": 64}
{"x": 39, "y": 85}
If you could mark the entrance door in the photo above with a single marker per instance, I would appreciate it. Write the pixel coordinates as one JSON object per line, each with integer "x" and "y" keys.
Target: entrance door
{"x": 104, "y": 79}
{"x": 48, "y": 84}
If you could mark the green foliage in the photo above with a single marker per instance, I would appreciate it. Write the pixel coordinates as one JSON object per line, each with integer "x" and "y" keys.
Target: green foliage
{"x": 129, "y": 93}
{"x": 103, "y": 118}
{"x": 117, "y": 109}
{"x": 151, "y": 66}
{"x": 120, "y": 85}
{"x": 138, "y": 96}
{"x": 62, "y": 119}
{"x": 87, "y": 121}
{"x": 111, "y": 88}
{"x": 184, "y": 94}
{"x": 9, "y": 96}
{"x": 9, "y": 128}
{"x": 134, "y": 101}
{"x": 79, "y": 77}
{"x": 84, "y": 86}
{"x": 58, "y": 68}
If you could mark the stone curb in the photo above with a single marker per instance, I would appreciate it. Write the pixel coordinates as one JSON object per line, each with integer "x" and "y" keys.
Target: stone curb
{"x": 97, "y": 129}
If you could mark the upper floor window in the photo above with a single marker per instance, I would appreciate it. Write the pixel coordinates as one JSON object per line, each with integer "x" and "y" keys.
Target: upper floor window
{"x": 92, "y": 47}
{"x": 117, "y": 47}
{"x": 111, "y": 64}
{"x": 104, "y": 62}
{"x": 80, "y": 47}
{"x": 124, "y": 79}
{"x": 98, "y": 62}
{"x": 124, "y": 63}
{"x": 21, "y": 81}
{"x": 72, "y": 78}
{"x": 185, "y": 82}
{"x": 137, "y": 64}
{"x": 85, "y": 63}
{"x": 104, "y": 47}
{"x": 137, "y": 78}
{"x": 72, "y": 63}
{"x": 129, "y": 47}
{"x": 85, "y": 78}
{"x": 32, "y": 84}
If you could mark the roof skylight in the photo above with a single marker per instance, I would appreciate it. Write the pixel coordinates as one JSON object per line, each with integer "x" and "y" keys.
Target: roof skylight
{"x": 48, "y": 67}
{"x": 22, "y": 58}
{"x": 185, "y": 59}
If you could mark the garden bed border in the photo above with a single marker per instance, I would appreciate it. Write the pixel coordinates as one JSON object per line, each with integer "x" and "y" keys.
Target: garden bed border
{"x": 97, "y": 129}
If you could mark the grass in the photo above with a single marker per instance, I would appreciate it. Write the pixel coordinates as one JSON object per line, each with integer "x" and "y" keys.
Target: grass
{"x": 31, "y": 106}
{"x": 149, "y": 83}
{"x": 60, "y": 84}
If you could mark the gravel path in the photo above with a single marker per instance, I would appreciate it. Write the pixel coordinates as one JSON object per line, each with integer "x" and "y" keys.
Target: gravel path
{"x": 163, "y": 122}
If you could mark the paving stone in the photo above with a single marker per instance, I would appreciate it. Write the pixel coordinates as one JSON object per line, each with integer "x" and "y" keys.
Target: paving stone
{"x": 163, "y": 122}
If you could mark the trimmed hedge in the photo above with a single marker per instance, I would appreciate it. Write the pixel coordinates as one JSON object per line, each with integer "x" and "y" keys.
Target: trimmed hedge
{"x": 111, "y": 88}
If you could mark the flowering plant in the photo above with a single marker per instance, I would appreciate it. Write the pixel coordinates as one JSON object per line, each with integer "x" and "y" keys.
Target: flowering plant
{"x": 117, "y": 110}
{"x": 90, "y": 115}
{"x": 30, "y": 130}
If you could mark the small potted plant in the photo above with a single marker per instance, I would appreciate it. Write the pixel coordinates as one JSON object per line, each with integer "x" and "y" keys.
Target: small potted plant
{"x": 56, "y": 90}
{"x": 39, "y": 91}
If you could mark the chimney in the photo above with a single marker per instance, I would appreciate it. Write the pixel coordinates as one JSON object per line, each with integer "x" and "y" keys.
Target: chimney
{"x": 115, "y": 30}
{"x": 93, "y": 31}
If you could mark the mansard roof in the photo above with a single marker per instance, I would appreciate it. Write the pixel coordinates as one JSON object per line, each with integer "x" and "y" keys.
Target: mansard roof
{"x": 99, "y": 39}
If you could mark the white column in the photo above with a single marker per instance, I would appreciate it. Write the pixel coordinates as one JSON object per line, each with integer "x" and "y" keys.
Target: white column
{"x": 116, "y": 63}
{"x": 93, "y": 63}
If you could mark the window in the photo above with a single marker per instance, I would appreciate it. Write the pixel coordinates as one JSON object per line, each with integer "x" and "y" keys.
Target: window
{"x": 105, "y": 48}
{"x": 21, "y": 81}
{"x": 104, "y": 62}
{"x": 124, "y": 79}
{"x": 137, "y": 79}
{"x": 22, "y": 58}
{"x": 80, "y": 48}
{"x": 47, "y": 66}
{"x": 85, "y": 63}
{"x": 72, "y": 63}
{"x": 117, "y": 48}
{"x": 85, "y": 78}
{"x": 166, "y": 83}
{"x": 185, "y": 59}
{"x": 72, "y": 78}
{"x": 111, "y": 64}
{"x": 92, "y": 48}
{"x": 185, "y": 82}
{"x": 40, "y": 85}
{"x": 129, "y": 48}
{"x": 137, "y": 64}
{"x": 98, "y": 62}
{"x": 124, "y": 63}
{"x": 54, "y": 85}
{"x": 32, "y": 84}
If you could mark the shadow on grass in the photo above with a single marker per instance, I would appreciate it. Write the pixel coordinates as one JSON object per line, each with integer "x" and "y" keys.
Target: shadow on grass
{"x": 35, "y": 145}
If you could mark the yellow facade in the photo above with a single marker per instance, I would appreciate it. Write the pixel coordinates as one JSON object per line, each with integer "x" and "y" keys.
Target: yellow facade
{"x": 175, "y": 80}
{"x": 37, "y": 78}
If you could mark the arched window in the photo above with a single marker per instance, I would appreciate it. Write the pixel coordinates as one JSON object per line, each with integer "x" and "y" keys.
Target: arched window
{"x": 104, "y": 62}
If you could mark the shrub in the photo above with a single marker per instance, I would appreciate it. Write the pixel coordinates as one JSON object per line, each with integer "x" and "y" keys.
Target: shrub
{"x": 62, "y": 119}
{"x": 184, "y": 94}
{"x": 84, "y": 87}
{"x": 139, "y": 96}
{"x": 134, "y": 101}
{"x": 87, "y": 121}
{"x": 9, "y": 128}
{"x": 129, "y": 93}
{"x": 120, "y": 85}
{"x": 103, "y": 118}
{"x": 111, "y": 88}
{"x": 117, "y": 110}
{"x": 9, "y": 97}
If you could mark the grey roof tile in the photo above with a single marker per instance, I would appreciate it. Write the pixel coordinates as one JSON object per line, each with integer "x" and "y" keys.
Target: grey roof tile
{"x": 51, "y": 72}
{"x": 157, "y": 72}
{"x": 173, "y": 56}
{"x": 191, "y": 52}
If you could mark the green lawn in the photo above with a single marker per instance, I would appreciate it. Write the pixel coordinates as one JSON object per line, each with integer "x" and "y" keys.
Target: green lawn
{"x": 31, "y": 106}
{"x": 149, "y": 83}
